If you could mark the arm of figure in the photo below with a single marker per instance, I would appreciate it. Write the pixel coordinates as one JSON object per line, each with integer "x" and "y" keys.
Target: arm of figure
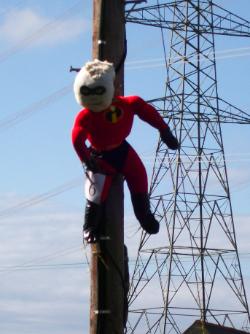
{"x": 149, "y": 114}
{"x": 79, "y": 136}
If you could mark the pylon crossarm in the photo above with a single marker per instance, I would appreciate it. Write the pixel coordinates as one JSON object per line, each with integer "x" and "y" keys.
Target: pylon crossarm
{"x": 227, "y": 23}
{"x": 227, "y": 113}
{"x": 231, "y": 114}
{"x": 224, "y": 21}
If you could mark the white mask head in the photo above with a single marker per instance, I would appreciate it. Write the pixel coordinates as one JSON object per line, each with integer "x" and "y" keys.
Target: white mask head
{"x": 94, "y": 85}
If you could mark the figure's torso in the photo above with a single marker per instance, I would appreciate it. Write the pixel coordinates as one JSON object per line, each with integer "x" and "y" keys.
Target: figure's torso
{"x": 107, "y": 129}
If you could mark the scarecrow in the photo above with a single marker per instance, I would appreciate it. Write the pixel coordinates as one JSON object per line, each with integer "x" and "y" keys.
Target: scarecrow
{"x": 99, "y": 138}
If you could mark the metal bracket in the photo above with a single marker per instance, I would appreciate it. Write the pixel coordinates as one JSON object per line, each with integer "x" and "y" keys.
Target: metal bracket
{"x": 102, "y": 312}
{"x": 135, "y": 1}
{"x": 99, "y": 42}
{"x": 74, "y": 69}
{"x": 105, "y": 238}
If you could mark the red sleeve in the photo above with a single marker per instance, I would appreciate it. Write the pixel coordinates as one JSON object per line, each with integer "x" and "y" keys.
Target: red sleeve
{"x": 148, "y": 113}
{"x": 79, "y": 136}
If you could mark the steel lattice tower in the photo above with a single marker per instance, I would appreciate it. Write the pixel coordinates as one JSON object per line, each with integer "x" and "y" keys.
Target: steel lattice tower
{"x": 195, "y": 272}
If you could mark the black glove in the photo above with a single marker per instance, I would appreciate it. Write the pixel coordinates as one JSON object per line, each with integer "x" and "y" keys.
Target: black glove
{"x": 169, "y": 139}
{"x": 96, "y": 164}
{"x": 92, "y": 163}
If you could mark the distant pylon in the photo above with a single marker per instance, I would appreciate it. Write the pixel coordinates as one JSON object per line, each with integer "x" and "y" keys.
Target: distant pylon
{"x": 191, "y": 270}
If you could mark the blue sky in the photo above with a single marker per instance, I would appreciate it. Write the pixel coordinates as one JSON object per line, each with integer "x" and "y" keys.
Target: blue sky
{"x": 44, "y": 287}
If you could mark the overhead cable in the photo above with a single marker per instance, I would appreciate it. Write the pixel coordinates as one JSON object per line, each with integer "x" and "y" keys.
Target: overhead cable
{"x": 20, "y": 116}
{"x": 40, "y": 198}
{"x": 45, "y": 29}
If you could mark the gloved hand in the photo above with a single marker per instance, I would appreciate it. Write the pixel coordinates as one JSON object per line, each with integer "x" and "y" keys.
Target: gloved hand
{"x": 92, "y": 164}
{"x": 97, "y": 165}
{"x": 169, "y": 139}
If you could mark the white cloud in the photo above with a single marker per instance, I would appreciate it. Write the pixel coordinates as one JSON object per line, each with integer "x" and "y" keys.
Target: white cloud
{"x": 40, "y": 299}
{"x": 38, "y": 293}
{"x": 242, "y": 227}
{"x": 44, "y": 301}
{"x": 18, "y": 24}
{"x": 29, "y": 27}
{"x": 239, "y": 177}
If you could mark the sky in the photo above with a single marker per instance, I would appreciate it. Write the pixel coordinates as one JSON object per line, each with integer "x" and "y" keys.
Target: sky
{"x": 43, "y": 266}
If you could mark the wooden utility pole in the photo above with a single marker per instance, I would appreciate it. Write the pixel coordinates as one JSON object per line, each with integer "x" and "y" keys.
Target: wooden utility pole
{"x": 109, "y": 35}
{"x": 108, "y": 287}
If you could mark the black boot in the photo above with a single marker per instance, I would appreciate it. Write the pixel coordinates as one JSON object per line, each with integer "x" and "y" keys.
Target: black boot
{"x": 92, "y": 218}
{"x": 143, "y": 213}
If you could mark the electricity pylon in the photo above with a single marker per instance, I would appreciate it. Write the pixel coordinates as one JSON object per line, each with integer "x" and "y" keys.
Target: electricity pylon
{"x": 192, "y": 270}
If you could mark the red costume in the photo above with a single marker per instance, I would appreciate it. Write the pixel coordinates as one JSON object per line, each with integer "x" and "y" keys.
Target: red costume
{"x": 106, "y": 132}
{"x": 105, "y": 123}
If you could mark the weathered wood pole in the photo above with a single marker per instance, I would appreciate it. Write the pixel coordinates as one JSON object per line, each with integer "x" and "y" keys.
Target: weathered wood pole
{"x": 107, "y": 261}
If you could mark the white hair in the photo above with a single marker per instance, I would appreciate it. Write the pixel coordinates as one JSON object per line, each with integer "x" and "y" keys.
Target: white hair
{"x": 94, "y": 73}
{"x": 98, "y": 68}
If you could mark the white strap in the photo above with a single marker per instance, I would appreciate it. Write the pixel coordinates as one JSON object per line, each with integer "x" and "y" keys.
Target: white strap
{"x": 94, "y": 185}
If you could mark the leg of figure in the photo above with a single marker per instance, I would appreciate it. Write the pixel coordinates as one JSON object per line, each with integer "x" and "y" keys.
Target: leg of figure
{"x": 136, "y": 177}
{"x": 96, "y": 191}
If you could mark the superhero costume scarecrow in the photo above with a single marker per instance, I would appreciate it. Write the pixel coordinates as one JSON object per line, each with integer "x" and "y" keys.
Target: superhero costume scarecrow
{"x": 105, "y": 122}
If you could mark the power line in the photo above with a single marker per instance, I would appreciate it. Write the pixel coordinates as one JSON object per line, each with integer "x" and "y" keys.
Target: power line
{"x": 69, "y": 265}
{"x": 27, "y": 112}
{"x": 37, "y": 34}
{"x": 15, "y": 7}
{"x": 40, "y": 260}
{"x": 40, "y": 198}
{"x": 68, "y": 185}
{"x": 43, "y": 266}
{"x": 160, "y": 62}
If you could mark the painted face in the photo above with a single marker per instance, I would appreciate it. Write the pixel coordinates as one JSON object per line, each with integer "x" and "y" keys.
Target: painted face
{"x": 95, "y": 93}
{"x": 97, "y": 96}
